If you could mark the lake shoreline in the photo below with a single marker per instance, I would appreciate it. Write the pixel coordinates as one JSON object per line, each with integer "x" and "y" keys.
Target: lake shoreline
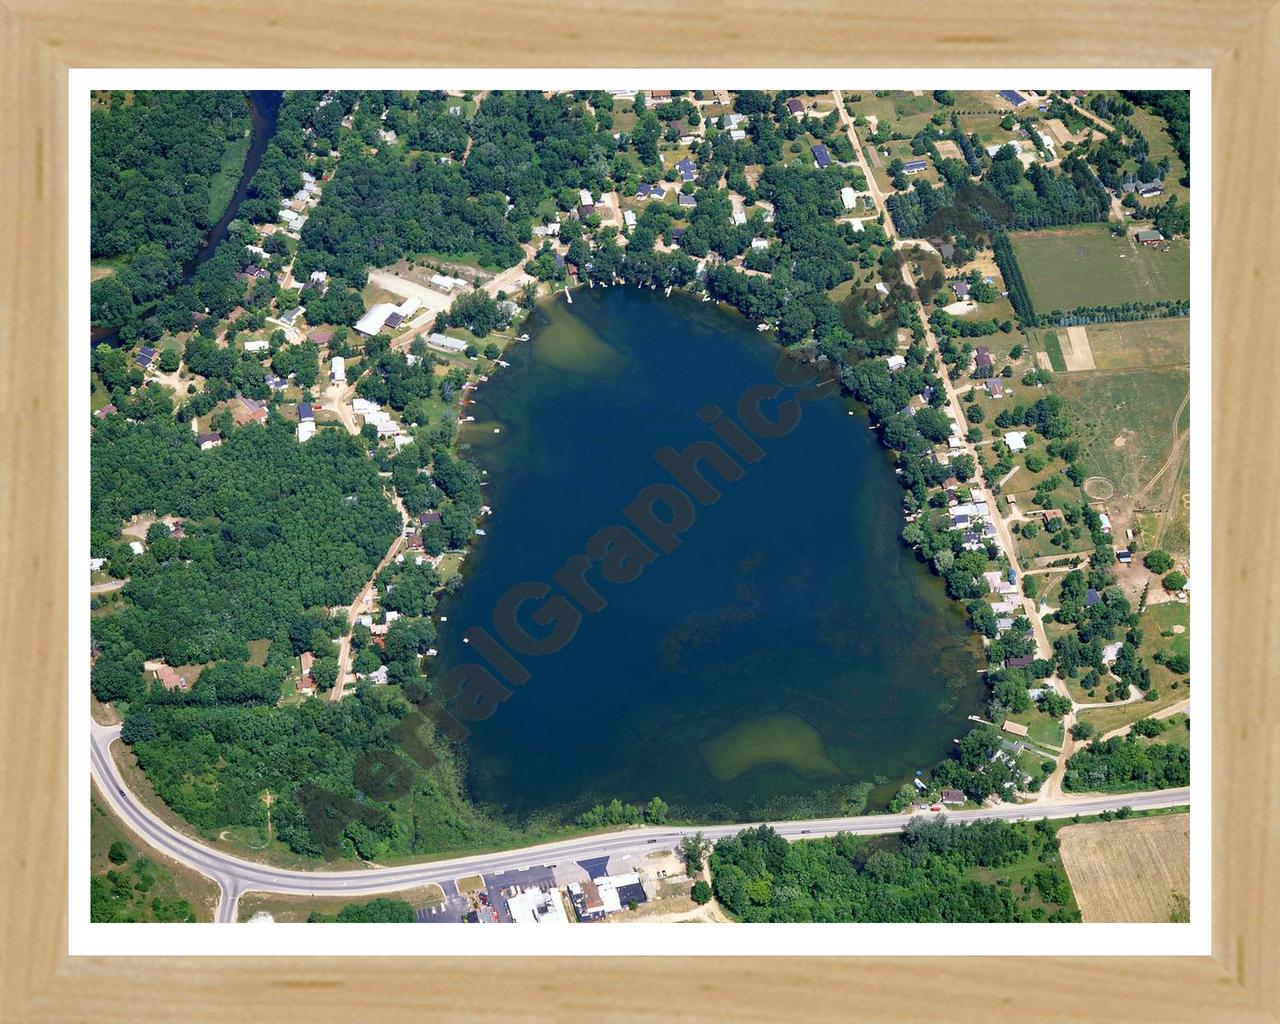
{"x": 489, "y": 467}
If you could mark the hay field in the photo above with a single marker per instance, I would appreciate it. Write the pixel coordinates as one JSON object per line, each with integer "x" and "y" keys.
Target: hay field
{"x": 1085, "y": 265}
{"x": 1129, "y": 870}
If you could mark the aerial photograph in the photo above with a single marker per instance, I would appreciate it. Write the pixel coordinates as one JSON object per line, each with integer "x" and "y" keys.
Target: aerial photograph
{"x": 608, "y": 506}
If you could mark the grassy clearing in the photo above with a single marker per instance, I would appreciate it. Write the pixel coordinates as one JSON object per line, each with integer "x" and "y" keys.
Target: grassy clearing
{"x": 1042, "y": 730}
{"x": 106, "y": 267}
{"x": 145, "y": 886}
{"x": 258, "y": 652}
{"x": 1042, "y": 544}
{"x": 1107, "y": 719}
{"x": 1124, "y": 420}
{"x": 287, "y": 909}
{"x": 1141, "y": 343}
{"x": 248, "y": 843}
{"x": 1161, "y": 145}
{"x": 1176, "y": 734}
{"x": 372, "y": 295}
{"x": 99, "y": 396}
{"x": 1082, "y": 266}
{"x": 1160, "y": 632}
{"x": 450, "y": 564}
{"x": 222, "y": 186}
{"x": 1021, "y": 873}
{"x": 1129, "y": 870}
{"x": 103, "y": 714}
{"x": 1176, "y": 534}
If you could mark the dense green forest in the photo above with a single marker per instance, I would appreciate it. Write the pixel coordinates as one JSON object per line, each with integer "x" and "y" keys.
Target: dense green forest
{"x": 274, "y": 528}
{"x": 933, "y": 872}
{"x": 1008, "y": 196}
{"x": 146, "y": 297}
{"x": 275, "y": 534}
{"x": 526, "y": 150}
{"x": 1122, "y": 764}
{"x": 152, "y": 157}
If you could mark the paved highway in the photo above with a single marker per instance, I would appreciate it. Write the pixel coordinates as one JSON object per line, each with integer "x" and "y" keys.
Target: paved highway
{"x": 236, "y": 876}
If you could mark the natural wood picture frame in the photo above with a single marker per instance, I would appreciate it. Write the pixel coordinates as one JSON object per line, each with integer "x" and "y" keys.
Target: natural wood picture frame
{"x": 39, "y": 41}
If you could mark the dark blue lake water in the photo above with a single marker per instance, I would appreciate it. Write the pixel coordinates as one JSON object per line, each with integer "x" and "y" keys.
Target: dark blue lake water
{"x": 788, "y": 648}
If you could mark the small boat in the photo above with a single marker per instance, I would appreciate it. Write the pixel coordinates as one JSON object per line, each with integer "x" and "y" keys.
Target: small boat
{"x": 480, "y": 533}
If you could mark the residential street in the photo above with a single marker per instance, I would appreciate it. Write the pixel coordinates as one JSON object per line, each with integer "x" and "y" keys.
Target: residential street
{"x": 1051, "y": 788}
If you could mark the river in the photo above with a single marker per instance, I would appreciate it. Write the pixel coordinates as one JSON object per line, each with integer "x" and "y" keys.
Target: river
{"x": 264, "y": 108}
{"x": 787, "y": 649}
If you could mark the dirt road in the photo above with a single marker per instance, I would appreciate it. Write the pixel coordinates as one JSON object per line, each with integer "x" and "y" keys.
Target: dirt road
{"x": 514, "y": 278}
{"x": 1173, "y": 709}
{"x": 357, "y": 606}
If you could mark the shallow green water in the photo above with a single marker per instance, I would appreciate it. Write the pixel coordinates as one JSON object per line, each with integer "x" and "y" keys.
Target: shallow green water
{"x": 787, "y": 647}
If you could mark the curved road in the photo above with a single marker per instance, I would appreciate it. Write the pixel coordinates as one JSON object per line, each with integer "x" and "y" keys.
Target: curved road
{"x": 235, "y": 876}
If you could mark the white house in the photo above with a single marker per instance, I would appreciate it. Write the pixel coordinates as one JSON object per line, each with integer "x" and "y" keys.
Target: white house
{"x": 95, "y": 564}
{"x": 446, "y": 344}
{"x": 444, "y": 283}
{"x": 257, "y": 346}
{"x": 136, "y": 547}
{"x": 338, "y": 370}
{"x": 896, "y": 363}
{"x": 629, "y": 218}
{"x": 363, "y": 407}
{"x": 849, "y": 197}
{"x": 306, "y": 430}
{"x": 1016, "y": 440}
{"x": 584, "y": 197}
{"x": 375, "y": 318}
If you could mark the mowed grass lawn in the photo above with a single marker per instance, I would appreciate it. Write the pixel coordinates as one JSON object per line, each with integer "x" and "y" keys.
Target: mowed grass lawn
{"x": 1083, "y": 266}
{"x": 1121, "y": 346}
{"x": 1124, "y": 420}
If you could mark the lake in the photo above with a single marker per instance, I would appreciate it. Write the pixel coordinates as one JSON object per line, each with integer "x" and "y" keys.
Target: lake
{"x": 789, "y": 647}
